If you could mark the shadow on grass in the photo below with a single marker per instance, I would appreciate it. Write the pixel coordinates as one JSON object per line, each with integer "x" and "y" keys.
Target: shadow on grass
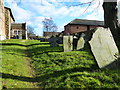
{"x": 21, "y": 78}
{"x": 45, "y": 77}
{"x": 12, "y": 44}
{"x": 54, "y": 74}
{"x": 44, "y": 49}
{"x": 17, "y": 54}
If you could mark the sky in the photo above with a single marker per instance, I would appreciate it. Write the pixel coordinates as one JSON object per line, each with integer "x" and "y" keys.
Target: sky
{"x": 62, "y": 12}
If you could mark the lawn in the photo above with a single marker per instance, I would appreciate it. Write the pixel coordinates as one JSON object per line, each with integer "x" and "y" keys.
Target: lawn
{"x": 16, "y": 69}
{"x": 53, "y": 67}
{"x": 75, "y": 69}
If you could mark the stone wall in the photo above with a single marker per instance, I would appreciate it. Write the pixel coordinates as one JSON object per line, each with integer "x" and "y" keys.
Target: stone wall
{"x": 2, "y": 21}
{"x": 49, "y": 34}
{"x": 8, "y": 21}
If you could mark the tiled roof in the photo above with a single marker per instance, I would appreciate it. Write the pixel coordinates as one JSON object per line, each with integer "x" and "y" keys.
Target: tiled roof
{"x": 87, "y": 22}
{"x": 18, "y": 26}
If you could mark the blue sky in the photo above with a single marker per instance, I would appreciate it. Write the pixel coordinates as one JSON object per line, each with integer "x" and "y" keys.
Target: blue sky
{"x": 34, "y": 11}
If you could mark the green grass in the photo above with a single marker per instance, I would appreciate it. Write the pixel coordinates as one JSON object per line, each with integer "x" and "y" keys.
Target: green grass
{"x": 76, "y": 69}
{"x": 53, "y": 67}
{"x": 15, "y": 64}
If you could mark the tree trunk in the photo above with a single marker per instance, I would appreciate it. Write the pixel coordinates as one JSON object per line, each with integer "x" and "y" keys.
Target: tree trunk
{"x": 111, "y": 20}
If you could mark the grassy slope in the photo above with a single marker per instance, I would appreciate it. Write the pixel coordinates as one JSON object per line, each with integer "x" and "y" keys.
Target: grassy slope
{"x": 15, "y": 65}
{"x": 76, "y": 69}
{"x": 54, "y": 68}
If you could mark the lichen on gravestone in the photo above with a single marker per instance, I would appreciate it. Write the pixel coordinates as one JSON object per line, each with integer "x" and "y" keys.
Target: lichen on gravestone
{"x": 81, "y": 42}
{"x": 104, "y": 48}
{"x": 68, "y": 43}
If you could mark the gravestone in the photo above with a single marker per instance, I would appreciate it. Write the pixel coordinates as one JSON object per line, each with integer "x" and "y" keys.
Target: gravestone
{"x": 60, "y": 40}
{"x": 81, "y": 42}
{"x": 53, "y": 42}
{"x": 104, "y": 48}
{"x": 68, "y": 43}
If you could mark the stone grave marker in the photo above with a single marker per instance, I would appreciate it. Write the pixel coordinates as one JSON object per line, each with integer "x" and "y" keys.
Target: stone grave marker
{"x": 53, "y": 42}
{"x": 103, "y": 47}
{"x": 81, "y": 42}
{"x": 68, "y": 43}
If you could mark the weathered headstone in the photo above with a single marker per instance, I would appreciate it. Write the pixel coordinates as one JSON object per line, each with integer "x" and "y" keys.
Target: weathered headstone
{"x": 81, "y": 42}
{"x": 103, "y": 47}
{"x": 60, "y": 40}
{"x": 53, "y": 42}
{"x": 68, "y": 43}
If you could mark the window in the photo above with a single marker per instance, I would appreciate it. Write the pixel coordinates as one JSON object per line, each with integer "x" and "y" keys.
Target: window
{"x": 15, "y": 32}
{"x": 18, "y": 32}
{"x": 77, "y": 27}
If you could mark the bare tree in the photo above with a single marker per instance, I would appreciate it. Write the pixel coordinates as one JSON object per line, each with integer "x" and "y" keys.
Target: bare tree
{"x": 49, "y": 25}
{"x": 30, "y": 29}
{"x": 110, "y": 18}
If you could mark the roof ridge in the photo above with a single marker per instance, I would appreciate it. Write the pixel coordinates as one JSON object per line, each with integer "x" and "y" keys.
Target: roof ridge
{"x": 85, "y": 19}
{"x": 87, "y": 22}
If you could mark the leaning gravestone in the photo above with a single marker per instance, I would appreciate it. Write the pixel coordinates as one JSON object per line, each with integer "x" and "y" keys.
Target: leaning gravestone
{"x": 104, "y": 48}
{"x": 68, "y": 43}
{"x": 81, "y": 42}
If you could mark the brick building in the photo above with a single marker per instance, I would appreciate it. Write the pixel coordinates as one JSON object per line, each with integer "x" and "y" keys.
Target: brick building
{"x": 6, "y": 18}
{"x": 8, "y": 28}
{"x": 49, "y": 34}
{"x": 81, "y": 25}
{"x": 18, "y": 31}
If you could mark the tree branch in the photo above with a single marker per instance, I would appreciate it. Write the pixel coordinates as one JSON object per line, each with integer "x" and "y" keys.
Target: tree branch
{"x": 82, "y": 3}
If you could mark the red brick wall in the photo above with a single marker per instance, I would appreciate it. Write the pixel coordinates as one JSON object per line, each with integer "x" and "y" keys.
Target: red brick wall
{"x": 92, "y": 27}
{"x": 76, "y": 28}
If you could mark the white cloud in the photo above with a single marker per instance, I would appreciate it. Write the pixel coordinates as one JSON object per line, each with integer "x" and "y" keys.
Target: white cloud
{"x": 34, "y": 12}
{"x": 51, "y": 10}
{"x": 76, "y": 11}
{"x": 61, "y": 27}
{"x": 19, "y": 13}
{"x": 96, "y": 13}
{"x": 38, "y": 19}
{"x": 29, "y": 22}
